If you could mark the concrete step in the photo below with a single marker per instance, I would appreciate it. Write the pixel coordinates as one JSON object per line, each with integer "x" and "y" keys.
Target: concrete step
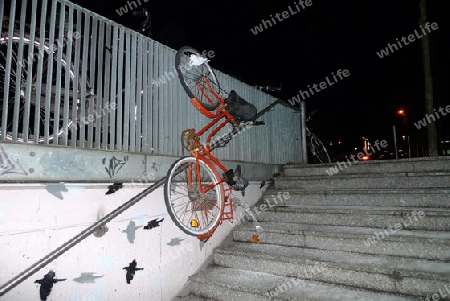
{"x": 430, "y": 245}
{"x": 437, "y": 164}
{"x": 413, "y": 197}
{"x": 365, "y": 181}
{"x": 380, "y": 273}
{"x": 221, "y": 283}
{"x": 191, "y": 298}
{"x": 437, "y": 219}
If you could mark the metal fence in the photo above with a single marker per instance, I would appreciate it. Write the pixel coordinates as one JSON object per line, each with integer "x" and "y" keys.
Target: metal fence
{"x": 72, "y": 78}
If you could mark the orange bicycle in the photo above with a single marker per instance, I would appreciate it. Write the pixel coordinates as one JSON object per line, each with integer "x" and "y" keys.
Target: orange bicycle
{"x": 198, "y": 187}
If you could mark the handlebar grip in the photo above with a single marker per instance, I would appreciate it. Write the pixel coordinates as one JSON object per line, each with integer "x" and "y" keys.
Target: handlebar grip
{"x": 259, "y": 122}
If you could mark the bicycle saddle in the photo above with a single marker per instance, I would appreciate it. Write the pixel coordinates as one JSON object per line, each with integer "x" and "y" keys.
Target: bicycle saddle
{"x": 239, "y": 108}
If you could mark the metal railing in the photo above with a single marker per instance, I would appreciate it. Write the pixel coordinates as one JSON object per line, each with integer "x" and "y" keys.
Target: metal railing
{"x": 72, "y": 78}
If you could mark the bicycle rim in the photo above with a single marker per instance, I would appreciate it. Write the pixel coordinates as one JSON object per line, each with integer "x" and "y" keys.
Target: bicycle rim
{"x": 198, "y": 81}
{"x": 194, "y": 196}
{"x": 42, "y": 120}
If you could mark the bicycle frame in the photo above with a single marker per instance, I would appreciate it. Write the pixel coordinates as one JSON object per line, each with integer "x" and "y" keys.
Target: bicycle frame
{"x": 203, "y": 152}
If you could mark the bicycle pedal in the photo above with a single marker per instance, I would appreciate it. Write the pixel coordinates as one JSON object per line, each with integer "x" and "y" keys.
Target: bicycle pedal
{"x": 228, "y": 176}
{"x": 240, "y": 184}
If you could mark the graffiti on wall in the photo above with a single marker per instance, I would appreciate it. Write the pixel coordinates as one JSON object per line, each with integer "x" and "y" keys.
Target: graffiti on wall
{"x": 114, "y": 165}
{"x": 10, "y": 164}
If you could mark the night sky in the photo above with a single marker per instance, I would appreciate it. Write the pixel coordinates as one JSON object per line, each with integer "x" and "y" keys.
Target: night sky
{"x": 308, "y": 46}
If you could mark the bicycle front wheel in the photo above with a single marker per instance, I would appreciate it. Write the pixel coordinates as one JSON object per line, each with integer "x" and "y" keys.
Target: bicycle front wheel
{"x": 194, "y": 195}
{"x": 318, "y": 150}
{"x": 196, "y": 76}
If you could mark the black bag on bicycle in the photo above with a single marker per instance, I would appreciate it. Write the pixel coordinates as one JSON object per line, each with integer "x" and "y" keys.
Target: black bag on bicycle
{"x": 239, "y": 108}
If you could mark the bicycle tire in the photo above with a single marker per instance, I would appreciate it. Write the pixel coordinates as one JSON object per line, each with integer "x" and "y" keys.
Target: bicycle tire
{"x": 195, "y": 204}
{"x": 199, "y": 81}
{"x": 318, "y": 150}
{"x": 48, "y": 53}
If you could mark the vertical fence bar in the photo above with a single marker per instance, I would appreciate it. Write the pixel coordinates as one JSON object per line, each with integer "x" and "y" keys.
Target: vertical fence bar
{"x": 84, "y": 77}
{"x": 156, "y": 97}
{"x": 151, "y": 89}
{"x": 97, "y": 103}
{"x": 29, "y": 74}
{"x": 39, "y": 73}
{"x": 139, "y": 94}
{"x": 145, "y": 95}
{"x": 76, "y": 92}
{"x": 18, "y": 73}
{"x": 59, "y": 63}
{"x": 126, "y": 112}
{"x": 2, "y": 89}
{"x": 68, "y": 76}
{"x": 120, "y": 91}
{"x": 94, "y": 64}
{"x": 106, "y": 124}
{"x": 114, "y": 88}
{"x": 8, "y": 69}
{"x": 132, "y": 94}
{"x": 49, "y": 75}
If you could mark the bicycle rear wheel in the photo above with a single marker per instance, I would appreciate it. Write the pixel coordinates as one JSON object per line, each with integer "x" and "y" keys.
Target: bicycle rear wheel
{"x": 196, "y": 76}
{"x": 194, "y": 195}
{"x": 32, "y": 123}
{"x": 318, "y": 150}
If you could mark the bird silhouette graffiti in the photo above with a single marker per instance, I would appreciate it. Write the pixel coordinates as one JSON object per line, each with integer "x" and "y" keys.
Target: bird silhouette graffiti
{"x": 153, "y": 224}
{"x": 47, "y": 284}
{"x": 131, "y": 271}
{"x": 114, "y": 187}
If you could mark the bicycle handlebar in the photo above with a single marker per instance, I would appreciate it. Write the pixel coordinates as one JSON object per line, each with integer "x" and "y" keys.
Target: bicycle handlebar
{"x": 140, "y": 13}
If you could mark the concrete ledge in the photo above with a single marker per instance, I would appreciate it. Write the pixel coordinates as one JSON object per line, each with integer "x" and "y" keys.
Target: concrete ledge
{"x": 43, "y": 163}
{"x": 441, "y": 163}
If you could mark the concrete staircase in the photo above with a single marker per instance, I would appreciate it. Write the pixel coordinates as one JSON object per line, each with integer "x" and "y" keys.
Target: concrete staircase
{"x": 374, "y": 231}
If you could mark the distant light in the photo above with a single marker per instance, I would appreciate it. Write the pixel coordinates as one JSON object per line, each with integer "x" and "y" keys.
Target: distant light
{"x": 401, "y": 112}
{"x": 339, "y": 142}
{"x": 365, "y": 158}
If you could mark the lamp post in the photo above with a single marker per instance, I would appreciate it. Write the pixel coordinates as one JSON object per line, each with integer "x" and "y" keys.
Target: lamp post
{"x": 403, "y": 114}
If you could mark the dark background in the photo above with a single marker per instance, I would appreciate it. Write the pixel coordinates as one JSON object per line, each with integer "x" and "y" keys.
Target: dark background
{"x": 307, "y": 47}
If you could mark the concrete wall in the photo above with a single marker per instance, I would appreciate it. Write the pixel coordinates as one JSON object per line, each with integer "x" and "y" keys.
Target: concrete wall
{"x": 35, "y": 219}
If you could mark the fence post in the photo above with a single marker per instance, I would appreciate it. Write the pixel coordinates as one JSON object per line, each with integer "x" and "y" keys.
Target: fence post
{"x": 303, "y": 131}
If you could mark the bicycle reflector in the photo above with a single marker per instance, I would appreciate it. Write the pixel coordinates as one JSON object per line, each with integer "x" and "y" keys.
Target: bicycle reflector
{"x": 194, "y": 223}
